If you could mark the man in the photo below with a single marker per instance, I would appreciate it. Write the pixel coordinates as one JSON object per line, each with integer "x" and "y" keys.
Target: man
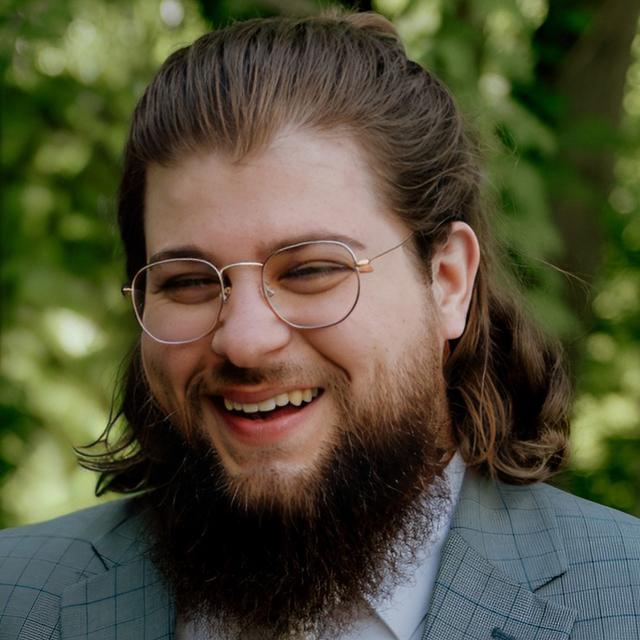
{"x": 336, "y": 421}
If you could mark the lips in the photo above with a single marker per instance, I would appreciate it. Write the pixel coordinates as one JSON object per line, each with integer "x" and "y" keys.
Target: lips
{"x": 270, "y": 420}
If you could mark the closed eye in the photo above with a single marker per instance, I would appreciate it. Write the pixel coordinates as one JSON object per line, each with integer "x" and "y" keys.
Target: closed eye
{"x": 315, "y": 270}
{"x": 188, "y": 289}
{"x": 185, "y": 283}
{"x": 311, "y": 278}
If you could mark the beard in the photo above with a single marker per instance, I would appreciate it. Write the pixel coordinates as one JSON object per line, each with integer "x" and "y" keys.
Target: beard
{"x": 304, "y": 558}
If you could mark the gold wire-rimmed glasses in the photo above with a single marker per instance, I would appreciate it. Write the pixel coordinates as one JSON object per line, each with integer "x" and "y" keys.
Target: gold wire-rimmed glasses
{"x": 308, "y": 285}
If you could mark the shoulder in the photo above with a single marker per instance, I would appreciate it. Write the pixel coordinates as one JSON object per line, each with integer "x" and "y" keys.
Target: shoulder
{"x": 69, "y": 537}
{"x": 582, "y": 523}
{"x": 580, "y": 517}
{"x": 602, "y": 551}
{"x": 38, "y": 562}
{"x": 569, "y": 551}
{"x": 538, "y": 524}
{"x": 574, "y": 516}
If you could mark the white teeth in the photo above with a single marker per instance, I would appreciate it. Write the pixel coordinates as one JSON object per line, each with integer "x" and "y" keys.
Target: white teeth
{"x": 296, "y": 398}
{"x": 282, "y": 399}
{"x": 267, "y": 405}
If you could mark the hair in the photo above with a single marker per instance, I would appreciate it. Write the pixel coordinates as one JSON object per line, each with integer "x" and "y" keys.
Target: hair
{"x": 232, "y": 91}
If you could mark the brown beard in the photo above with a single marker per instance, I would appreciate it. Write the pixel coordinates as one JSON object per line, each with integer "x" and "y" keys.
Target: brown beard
{"x": 270, "y": 570}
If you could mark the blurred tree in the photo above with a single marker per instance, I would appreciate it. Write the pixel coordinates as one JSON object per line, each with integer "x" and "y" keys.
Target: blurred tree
{"x": 72, "y": 72}
{"x": 582, "y": 46}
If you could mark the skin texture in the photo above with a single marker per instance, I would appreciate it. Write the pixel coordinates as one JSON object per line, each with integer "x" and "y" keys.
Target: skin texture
{"x": 305, "y": 185}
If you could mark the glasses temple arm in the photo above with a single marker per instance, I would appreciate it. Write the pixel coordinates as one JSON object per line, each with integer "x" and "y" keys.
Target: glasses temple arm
{"x": 364, "y": 265}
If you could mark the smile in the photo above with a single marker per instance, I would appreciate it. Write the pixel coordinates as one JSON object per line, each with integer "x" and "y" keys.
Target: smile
{"x": 267, "y": 420}
{"x": 296, "y": 398}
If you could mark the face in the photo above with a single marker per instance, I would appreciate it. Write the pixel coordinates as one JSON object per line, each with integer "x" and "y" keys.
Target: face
{"x": 304, "y": 186}
{"x": 356, "y": 467}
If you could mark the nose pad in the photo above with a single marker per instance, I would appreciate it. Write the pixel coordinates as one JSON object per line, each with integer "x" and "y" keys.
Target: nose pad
{"x": 226, "y": 286}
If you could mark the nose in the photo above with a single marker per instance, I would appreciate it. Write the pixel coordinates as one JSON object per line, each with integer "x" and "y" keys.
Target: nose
{"x": 248, "y": 333}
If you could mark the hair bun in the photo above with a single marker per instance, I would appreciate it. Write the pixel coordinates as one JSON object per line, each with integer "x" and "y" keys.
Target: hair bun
{"x": 370, "y": 21}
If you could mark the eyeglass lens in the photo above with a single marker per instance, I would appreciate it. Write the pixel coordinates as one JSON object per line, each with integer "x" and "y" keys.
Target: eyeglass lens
{"x": 309, "y": 285}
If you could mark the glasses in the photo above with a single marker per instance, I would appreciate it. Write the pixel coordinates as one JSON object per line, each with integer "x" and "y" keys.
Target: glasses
{"x": 308, "y": 285}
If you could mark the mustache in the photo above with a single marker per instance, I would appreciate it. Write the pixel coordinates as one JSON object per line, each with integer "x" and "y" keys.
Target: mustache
{"x": 228, "y": 374}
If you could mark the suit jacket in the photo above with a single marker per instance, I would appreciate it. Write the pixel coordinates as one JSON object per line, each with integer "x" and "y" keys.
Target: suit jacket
{"x": 520, "y": 563}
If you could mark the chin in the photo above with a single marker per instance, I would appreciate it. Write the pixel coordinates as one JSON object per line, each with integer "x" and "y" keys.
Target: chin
{"x": 269, "y": 482}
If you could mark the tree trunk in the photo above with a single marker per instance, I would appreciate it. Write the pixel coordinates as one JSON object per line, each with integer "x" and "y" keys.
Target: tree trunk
{"x": 592, "y": 80}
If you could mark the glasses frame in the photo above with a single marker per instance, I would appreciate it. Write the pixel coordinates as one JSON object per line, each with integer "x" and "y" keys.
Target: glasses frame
{"x": 362, "y": 265}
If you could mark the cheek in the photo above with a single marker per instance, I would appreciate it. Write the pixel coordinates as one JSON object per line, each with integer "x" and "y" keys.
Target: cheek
{"x": 393, "y": 314}
{"x": 356, "y": 347}
{"x": 342, "y": 346}
{"x": 166, "y": 371}
{"x": 382, "y": 331}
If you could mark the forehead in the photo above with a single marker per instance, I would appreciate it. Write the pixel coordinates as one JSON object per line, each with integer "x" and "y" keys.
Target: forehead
{"x": 304, "y": 185}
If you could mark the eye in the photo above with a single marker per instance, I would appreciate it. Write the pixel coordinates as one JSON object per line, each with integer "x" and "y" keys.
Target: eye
{"x": 188, "y": 288}
{"x": 186, "y": 282}
{"x": 315, "y": 270}
{"x": 314, "y": 277}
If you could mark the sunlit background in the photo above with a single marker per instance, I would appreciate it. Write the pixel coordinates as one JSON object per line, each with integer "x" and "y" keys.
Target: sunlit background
{"x": 552, "y": 91}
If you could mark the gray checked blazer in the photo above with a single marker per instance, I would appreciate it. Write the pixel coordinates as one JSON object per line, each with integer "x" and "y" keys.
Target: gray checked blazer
{"x": 520, "y": 563}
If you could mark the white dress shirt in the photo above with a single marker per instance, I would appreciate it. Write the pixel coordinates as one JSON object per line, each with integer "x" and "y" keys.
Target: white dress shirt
{"x": 401, "y": 616}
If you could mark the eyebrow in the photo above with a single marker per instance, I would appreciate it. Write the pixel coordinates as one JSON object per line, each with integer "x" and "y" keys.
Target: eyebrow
{"x": 266, "y": 249}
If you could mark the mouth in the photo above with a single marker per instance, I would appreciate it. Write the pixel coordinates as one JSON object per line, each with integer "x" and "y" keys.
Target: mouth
{"x": 270, "y": 419}
{"x": 279, "y": 404}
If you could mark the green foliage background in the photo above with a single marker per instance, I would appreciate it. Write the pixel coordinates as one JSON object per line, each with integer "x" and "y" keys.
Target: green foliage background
{"x": 563, "y": 171}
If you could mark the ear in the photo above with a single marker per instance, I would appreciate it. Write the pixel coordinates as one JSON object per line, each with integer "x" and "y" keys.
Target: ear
{"x": 453, "y": 268}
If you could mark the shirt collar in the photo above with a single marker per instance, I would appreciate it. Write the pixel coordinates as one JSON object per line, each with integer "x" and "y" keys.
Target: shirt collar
{"x": 406, "y": 607}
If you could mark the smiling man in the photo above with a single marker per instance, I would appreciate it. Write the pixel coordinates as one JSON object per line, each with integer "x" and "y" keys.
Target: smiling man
{"x": 337, "y": 420}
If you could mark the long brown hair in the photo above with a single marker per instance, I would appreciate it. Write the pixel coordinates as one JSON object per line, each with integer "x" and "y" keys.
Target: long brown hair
{"x": 232, "y": 91}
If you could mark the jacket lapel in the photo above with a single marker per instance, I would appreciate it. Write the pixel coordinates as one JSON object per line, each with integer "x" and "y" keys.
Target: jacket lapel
{"x": 503, "y": 545}
{"x": 128, "y": 600}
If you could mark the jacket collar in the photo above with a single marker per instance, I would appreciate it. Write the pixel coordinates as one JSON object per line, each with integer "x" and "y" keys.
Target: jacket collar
{"x": 504, "y": 544}
{"x": 130, "y": 599}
